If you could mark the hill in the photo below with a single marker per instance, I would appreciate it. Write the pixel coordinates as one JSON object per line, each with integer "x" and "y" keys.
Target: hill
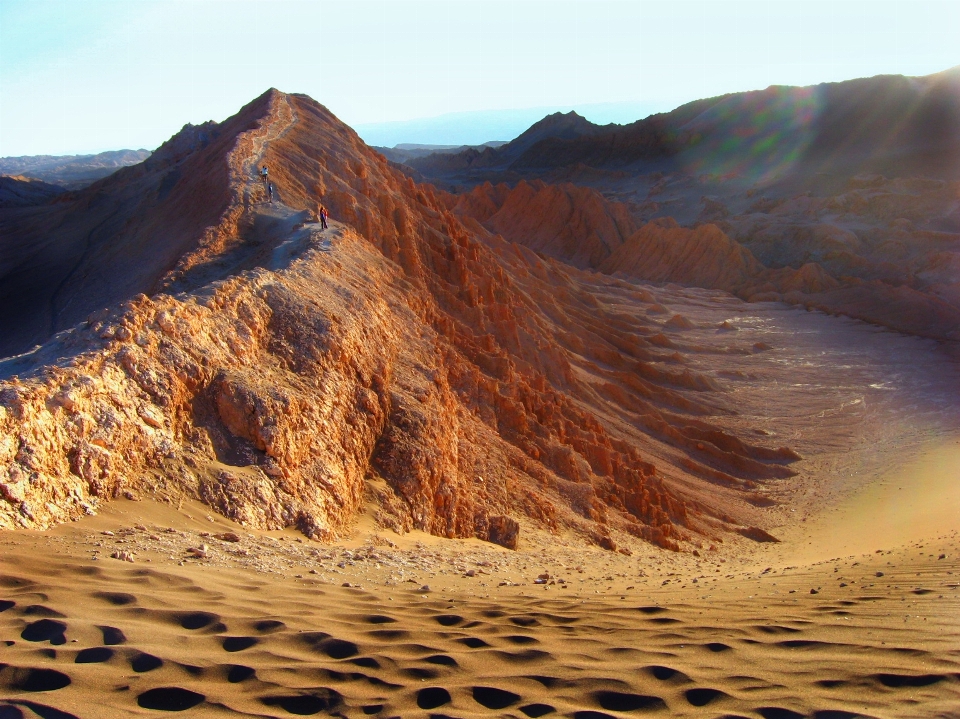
{"x": 286, "y": 375}
{"x": 73, "y": 172}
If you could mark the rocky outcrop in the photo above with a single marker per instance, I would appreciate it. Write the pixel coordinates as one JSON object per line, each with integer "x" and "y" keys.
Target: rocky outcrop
{"x": 662, "y": 251}
{"x": 573, "y": 224}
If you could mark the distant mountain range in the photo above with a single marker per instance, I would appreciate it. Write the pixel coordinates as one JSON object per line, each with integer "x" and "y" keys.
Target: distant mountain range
{"x": 889, "y": 124}
{"x": 411, "y": 150}
{"x": 71, "y": 172}
{"x": 477, "y": 127}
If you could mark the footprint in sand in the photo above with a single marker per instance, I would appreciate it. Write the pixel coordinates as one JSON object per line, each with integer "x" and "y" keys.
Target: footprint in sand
{"x": 493, "y": 698}
{"x": 666, "y": 674}
{"x": 521, "y": 639}
{"x": 432, "y": 697}
{"x": 717, "y": 647}
{"x": 10, "y": 711}
{"x": 144, "y": 662}
{"x": 45, "y": 630}
{"x": 94, "y": 655}
{"x": 525, "y": 621}
{"x": 626, "y": 702}
{"x": 703, "y": 696}
{"x": 239, "y": 673}
{"x": 198, "y": 620}
{"x": 317, "y": 701}
{"x": 537, "y": 710}
{"x": 333, "y": 648}
{"x": 117, "y": 599}
{"x": 441, "y": 659}
{"x": 778, "y": 713}
{"x": 238, "y": 644}
{"x": 421, "y": 673}
{"x": 269, "y": 626}
{"x": 900, "y": 681}
{"x": 652, "y": 610}
{"x": 112, "y": 636}
{"x": 28, "y": 679}
{"x": 169, "y": 699}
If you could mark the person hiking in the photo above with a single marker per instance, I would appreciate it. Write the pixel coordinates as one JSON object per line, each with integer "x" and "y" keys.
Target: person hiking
{"x": 323, "y": 217}
{"x": 263, "y": 175}
{"x": 270, "y": 191}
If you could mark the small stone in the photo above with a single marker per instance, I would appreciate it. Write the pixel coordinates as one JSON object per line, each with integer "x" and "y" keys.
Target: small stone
{"x": 228, "y": 537}
{"x": 424, "y": 588}
{"x": 814, "y": 591}
{"x": 879, "y": 574}
{"x": 470, "y": 573}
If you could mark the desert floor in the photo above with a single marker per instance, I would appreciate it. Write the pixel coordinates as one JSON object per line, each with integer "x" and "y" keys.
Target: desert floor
{"x": 855, "y": 613}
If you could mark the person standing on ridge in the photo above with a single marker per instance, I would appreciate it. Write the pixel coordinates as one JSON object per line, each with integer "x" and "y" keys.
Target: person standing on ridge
{"x": 263, "y": 175}
{"x": 270, "y": 191}
{"x": 323, "y": 217}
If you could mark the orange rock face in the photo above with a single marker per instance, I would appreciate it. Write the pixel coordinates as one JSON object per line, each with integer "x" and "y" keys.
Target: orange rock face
{"x": 405, "y": 355}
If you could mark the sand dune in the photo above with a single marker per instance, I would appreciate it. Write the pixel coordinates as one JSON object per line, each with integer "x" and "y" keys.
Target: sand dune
{"x": 872, "y": 635}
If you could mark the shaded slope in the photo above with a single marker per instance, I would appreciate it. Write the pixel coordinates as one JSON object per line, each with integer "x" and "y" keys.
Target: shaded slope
{"x": 19, "y": 191}
{"x": 118, "y": 236}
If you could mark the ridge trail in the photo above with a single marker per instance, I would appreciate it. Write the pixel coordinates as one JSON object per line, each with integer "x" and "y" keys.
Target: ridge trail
{"x": 242, "y": 160}
{"x": 283, "y": 118}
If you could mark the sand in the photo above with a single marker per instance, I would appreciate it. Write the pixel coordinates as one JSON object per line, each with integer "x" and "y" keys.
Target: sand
{"x": 854, "y": 614}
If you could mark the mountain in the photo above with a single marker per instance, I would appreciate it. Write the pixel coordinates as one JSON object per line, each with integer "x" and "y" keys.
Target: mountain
{"x": 225, "y": 348}
{"x": 71, "y": 171}
{"x": 563, "y": 126}
{"x": 891, "y": 125}
{"x": 472, "y": 128}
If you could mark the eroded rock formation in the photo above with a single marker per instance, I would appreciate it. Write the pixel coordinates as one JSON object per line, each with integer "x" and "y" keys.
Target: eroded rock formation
{"x": 406, "y": 355}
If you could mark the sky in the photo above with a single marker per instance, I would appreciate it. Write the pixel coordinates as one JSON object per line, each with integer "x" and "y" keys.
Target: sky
{"x": 83, "y": 77}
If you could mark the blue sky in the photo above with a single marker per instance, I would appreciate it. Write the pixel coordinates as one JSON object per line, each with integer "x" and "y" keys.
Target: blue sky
{"x": 78, "y": 77}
